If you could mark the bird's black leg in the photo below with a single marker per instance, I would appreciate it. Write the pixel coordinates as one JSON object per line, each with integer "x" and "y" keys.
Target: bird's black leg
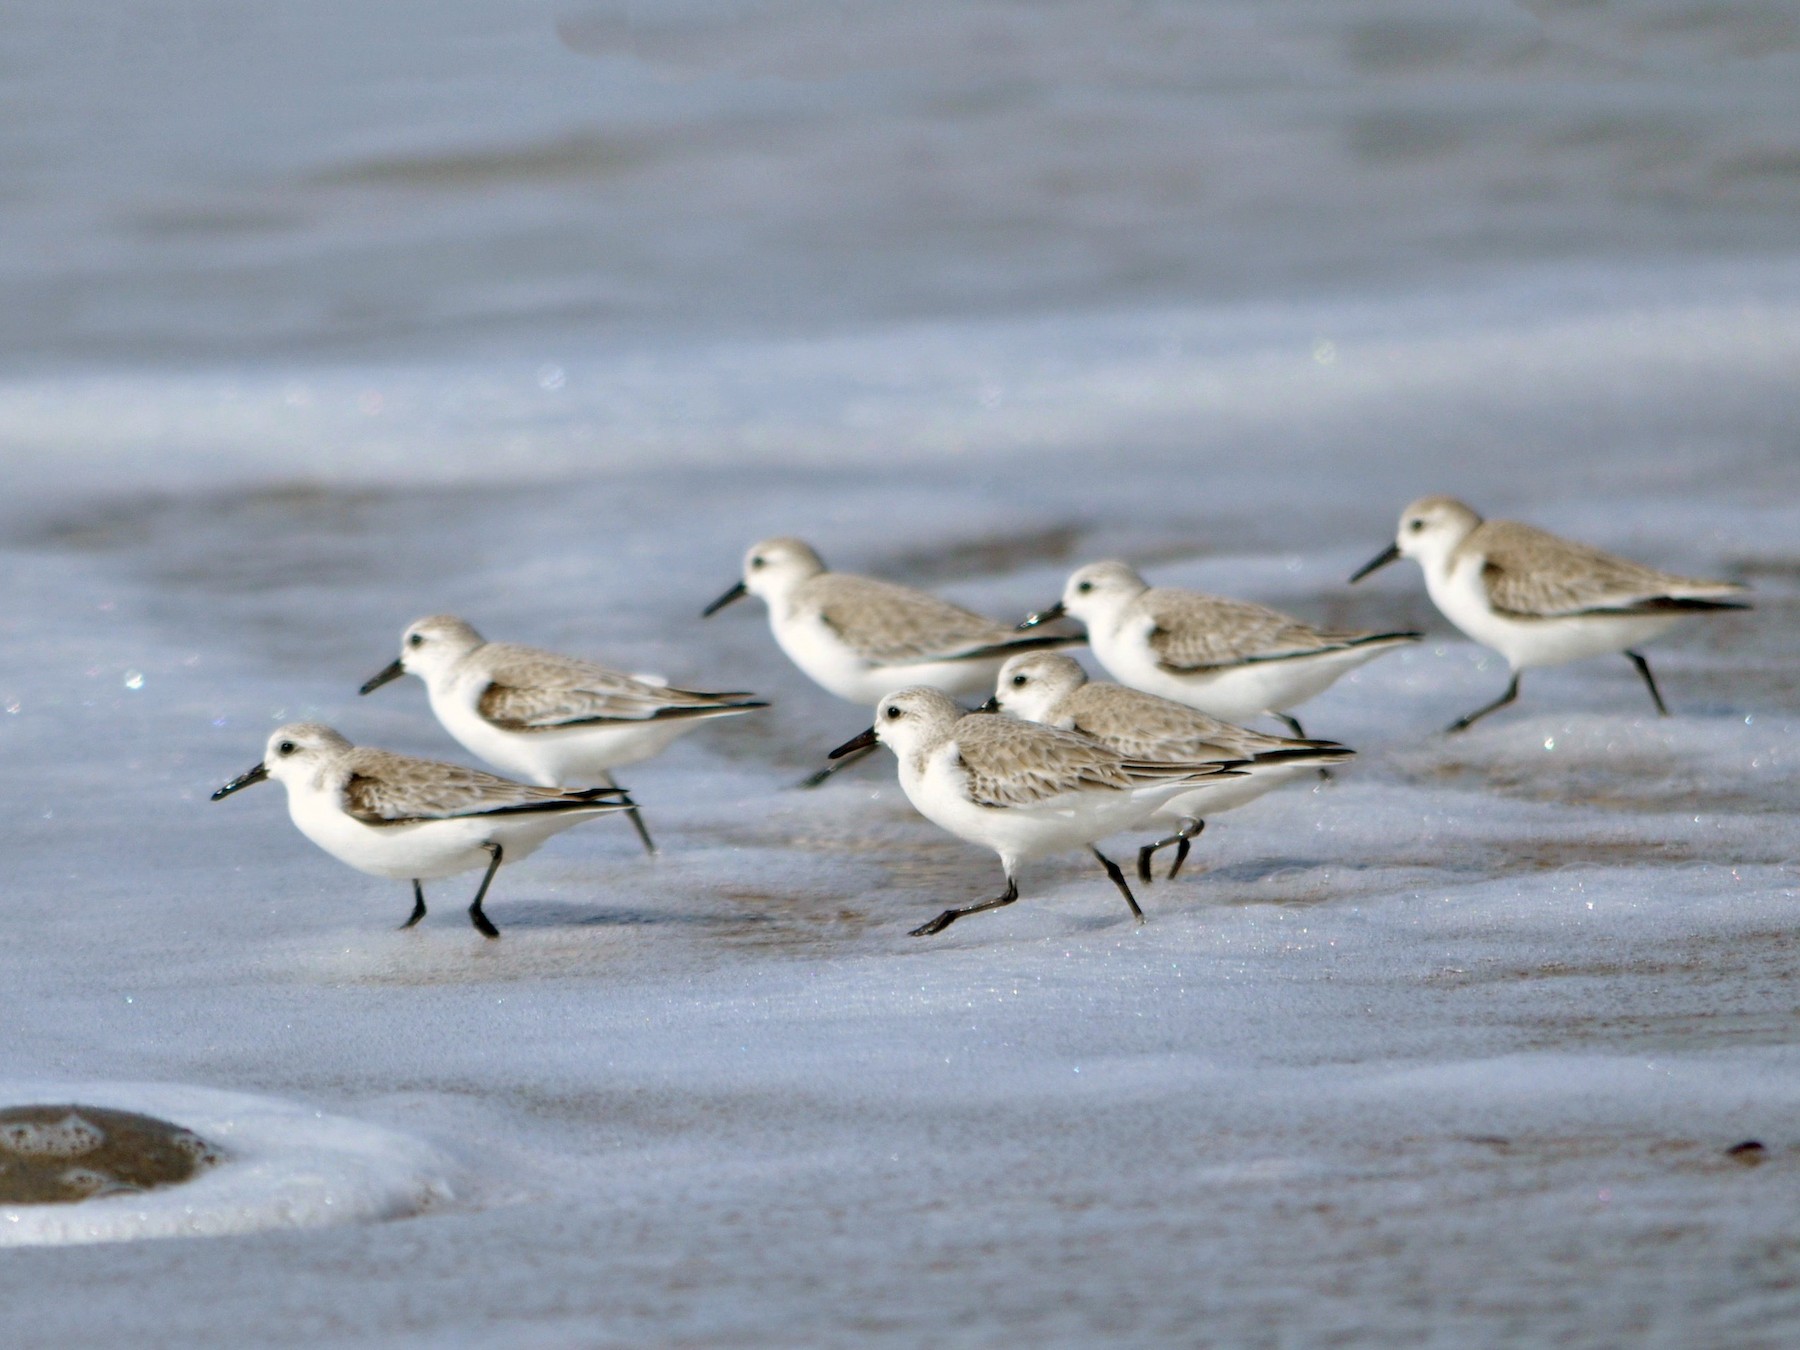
{"x": 418, "y": 906}
{"x": 950, "y": 916}
{"x": 1187, "y": 838}
{"x": 1190, "y": 829}
{"x": 1118, "y": 879}
{"x": 812, "y": 780}
{"x": 476, "y": 917}
{"x": 1643, "y": 668}
{"x": 637, "y": 819}
{"x": 1512, "y": 692}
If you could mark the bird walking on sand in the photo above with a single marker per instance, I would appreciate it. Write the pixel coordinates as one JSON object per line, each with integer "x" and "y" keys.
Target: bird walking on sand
{"x": 413, "y": 819}
{"x": 861, "y": 638}
{"x": 1053, "y": 689}
{"x": 1540, "y": 600}
{"x": 1020, "y": 789}
{"x": 1228, "y": 658}
{"x": 554, "y": 720}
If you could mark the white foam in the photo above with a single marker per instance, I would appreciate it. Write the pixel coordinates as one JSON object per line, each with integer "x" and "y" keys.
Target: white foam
{"x": 65, "y": 1138}
{"x": 280, "y": 1165}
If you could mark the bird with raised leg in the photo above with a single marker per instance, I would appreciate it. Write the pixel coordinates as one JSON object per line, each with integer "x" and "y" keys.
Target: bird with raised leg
{"x": 1018, "y": 788}
{"x": 1053, "y": 690}
{"x": 1541, "y": 600}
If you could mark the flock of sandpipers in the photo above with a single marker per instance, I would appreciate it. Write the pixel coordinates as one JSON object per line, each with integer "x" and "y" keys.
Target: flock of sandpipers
{"x": 1052, "y": 762}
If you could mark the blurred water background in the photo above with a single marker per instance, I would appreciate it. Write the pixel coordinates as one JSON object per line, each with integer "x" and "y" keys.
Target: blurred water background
{"x": 318, "y": 317}
{"x": 188, "y": 181}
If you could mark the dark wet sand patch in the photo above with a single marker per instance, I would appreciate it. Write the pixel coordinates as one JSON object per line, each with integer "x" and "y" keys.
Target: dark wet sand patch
{"x": 63, "y": 1154}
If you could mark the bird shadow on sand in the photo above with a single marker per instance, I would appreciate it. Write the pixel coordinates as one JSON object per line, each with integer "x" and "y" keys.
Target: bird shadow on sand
{"x": 544, "y": 915}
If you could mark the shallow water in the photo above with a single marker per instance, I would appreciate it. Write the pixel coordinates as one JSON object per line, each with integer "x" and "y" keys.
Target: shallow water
{"x": 1448, "y": 1050}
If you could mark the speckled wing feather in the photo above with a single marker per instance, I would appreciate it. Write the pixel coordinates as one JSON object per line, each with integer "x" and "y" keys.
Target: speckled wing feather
{"x": 532, "y": 690}
{"x": 1202, "y": 632}
{"x": 1143, "y": 726}
{"x": 1532, "y": 574}
{"x": 895, "y": 625}
{"x": 382, "y": 788}
{"x": 1014, "y": 763}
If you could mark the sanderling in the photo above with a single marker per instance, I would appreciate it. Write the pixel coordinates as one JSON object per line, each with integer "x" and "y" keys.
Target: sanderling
{"x": 1229, "y": 658}
{"x": 1053, "y": 689}
{"x": 1018, "y": 788}
{"x": 554, "y": 720}
{"x": 413, "y": 819}
{"x": 860, "y": 638}
{"x": 1539, "y": 600}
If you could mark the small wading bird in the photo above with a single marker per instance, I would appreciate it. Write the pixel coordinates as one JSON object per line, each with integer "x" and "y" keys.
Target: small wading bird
{"x": 414, "y": 819}
{"x": 1020, "y": 789}
{"x": 1540, "y": 600}
{"x": 554, "y": 720}
{"x": 1227, "y": 658}
{"x": 1053, "y": 689}
{"x": 860, "y": 638}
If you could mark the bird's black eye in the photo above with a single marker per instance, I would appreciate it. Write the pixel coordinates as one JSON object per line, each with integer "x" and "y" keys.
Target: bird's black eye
{"x": 286, "y": 748}
{"x": 416, "y": 640}
{"x": 756, "y": 562}
{"x": 1019, "y": 681}
{"x": 893, "y": 712}
{"x": 1416, "y": 526}
{"x": 1085, "y": 587}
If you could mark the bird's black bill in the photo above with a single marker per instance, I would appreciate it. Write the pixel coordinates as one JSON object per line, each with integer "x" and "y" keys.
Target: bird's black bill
{"x": 813, "y": 780}
{"x": 992, "y": 705}
{"x": 737, "y": 592}
{"x": 1387, "y": 555}
{"x": 1050, "y": 615}
{"x": 865, "y": 741}
{"x": 392, "y": 671}
{"x": 243, "y": 780}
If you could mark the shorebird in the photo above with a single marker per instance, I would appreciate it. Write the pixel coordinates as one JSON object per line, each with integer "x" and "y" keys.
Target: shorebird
{"x": 1228, "y": 658}
{"x": 413, "y": 819}
{"x": 1053, "y": 689}
{"x": 1020, "y": 789}
{"x": 1540, "y": 600}
{"x": 554, "y": 720}
{"x": 860, "y": 638}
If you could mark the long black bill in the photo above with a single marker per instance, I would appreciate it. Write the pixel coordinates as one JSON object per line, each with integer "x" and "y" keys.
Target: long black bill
{"x": 1050, "y": 615}
{"x": 813, "y": 780}
{"x": 865, "y": 741}
{"x": 392, "y": 671}
{"x": 243, "y": 780}
{"x": 992, "y": 705}
{"x": 737, "y": 592}
{"x": 1387, "y": 555}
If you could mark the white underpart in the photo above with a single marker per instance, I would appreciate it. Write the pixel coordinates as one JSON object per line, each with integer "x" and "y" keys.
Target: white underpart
{"x": 1121, "y": 642}
{"x": 939, "y": 789}
{"x": 829, "y": 662}
{"x": 1456, "y": 588}
{"x": 425, "y": 849}
{"x": 557, "y": 757}
{"x": 1231, "y": 793}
